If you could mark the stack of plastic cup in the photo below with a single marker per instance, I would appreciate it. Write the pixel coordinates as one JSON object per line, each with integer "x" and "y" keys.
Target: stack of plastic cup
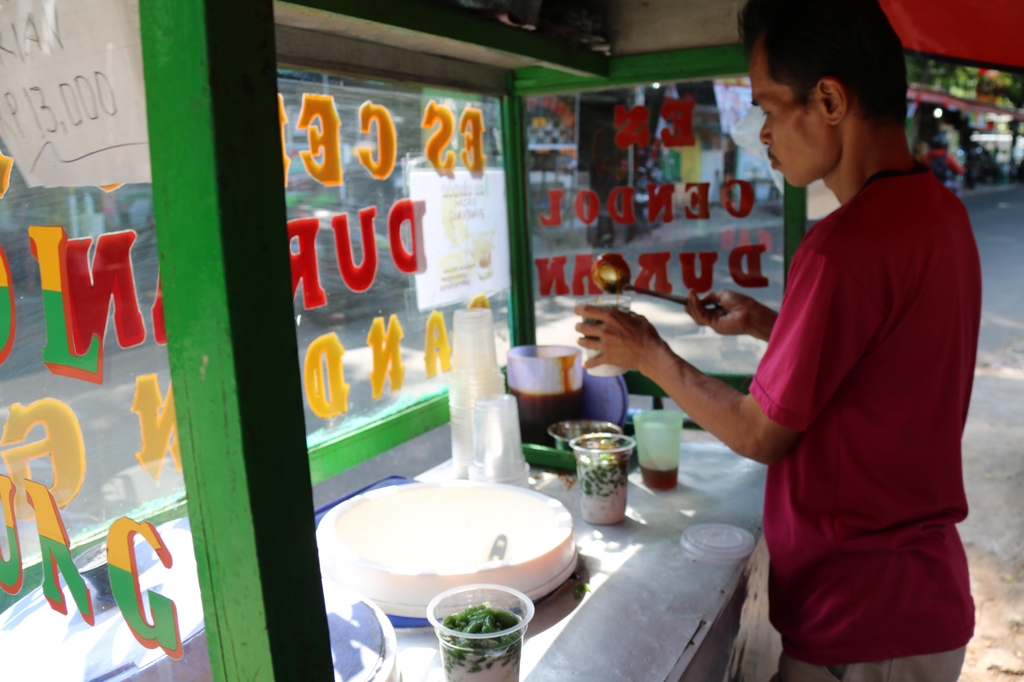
{"x": 475, "y": 374}
{"x": 498, "y": 450}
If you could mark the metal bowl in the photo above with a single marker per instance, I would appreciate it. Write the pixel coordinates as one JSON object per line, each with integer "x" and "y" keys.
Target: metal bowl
{"x": 563, "y": 432}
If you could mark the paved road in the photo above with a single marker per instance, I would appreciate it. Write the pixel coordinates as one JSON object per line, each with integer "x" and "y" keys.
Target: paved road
{"x": 994, "y": 443}
{"x": 998, "y": 219}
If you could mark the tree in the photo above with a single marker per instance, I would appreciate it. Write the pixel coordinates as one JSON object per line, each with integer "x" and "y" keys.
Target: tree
{"x": 1002, "y": 88}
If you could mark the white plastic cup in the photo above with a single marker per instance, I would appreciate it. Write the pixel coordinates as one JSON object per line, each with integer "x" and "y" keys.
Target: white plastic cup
{"x": 475, "y": 374}
{"x": 473, "y": 334}
{"x": 498, "y": 449}
{"x": 482, "y": 657}
{"x": 621, "y": 302}
{"x": 602, "y": 460}
{"x": 658, "y": 437}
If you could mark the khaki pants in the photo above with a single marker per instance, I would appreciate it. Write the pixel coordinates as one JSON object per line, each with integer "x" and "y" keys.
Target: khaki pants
{"x": 942, "y": 667}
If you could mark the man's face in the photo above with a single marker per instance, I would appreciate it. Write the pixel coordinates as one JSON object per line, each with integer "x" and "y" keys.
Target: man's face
{"x": 801, "y": 143}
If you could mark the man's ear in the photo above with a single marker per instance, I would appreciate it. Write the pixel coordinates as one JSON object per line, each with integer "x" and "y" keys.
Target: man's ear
{"x": 833, "y": 99}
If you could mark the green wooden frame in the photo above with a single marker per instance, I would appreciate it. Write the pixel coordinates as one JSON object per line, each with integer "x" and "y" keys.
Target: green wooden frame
{"x": 353, "y": 448}
{"x": 211, "y": 93}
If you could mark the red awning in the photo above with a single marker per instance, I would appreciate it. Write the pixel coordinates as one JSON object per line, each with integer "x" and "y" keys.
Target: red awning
{"x": 979, "y": 32}
{"x": 919, "y": 94}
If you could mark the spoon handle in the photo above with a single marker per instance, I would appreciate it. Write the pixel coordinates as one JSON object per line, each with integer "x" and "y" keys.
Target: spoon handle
{"x": 682, "y": 300}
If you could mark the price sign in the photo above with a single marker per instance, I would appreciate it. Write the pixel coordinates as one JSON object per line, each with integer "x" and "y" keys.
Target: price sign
{"x": 465, "y": 235}
{"x": 72, "y": 97}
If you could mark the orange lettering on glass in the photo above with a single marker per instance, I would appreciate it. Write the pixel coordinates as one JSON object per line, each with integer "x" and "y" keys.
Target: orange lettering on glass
{"x": 387, "y": 355}
{"x": 324, "y": 138}
{"x": 437, "y": 346}
{"x": 62, "y": 444}
{"x": 442, "y": 116}
{"x": 471, "y": 125}
{"x": 387, "y": 140}
{"x": 6, "y": 165}
{"x": 282, "y": 118}
{"x": 158, "y": 423}
{"x": 324, "y": 374}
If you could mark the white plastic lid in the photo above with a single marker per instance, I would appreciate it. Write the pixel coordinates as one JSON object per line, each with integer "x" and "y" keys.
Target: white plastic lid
{"x": 717, "y": 542}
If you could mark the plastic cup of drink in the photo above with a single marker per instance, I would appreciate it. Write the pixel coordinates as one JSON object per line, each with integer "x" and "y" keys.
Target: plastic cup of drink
{"x": 480, "y": 657}
{"x": 602, "y": 460}
{"x": 658, "y": 435}
{"x": 609, "y": 301}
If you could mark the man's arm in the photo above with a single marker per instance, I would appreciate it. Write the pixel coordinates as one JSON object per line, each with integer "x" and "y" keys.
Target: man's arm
{"x": 629, "y": 340}
{"x": 736, "y": 419}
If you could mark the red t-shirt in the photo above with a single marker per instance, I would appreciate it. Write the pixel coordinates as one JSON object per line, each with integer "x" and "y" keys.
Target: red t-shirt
{"x": 872, "y": 358}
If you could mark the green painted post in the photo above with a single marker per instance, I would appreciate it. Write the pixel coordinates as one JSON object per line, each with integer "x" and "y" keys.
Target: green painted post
{"x": 522, "y": 321}
{"x": 220, "y": 216}
{"x": 794, "y": 219}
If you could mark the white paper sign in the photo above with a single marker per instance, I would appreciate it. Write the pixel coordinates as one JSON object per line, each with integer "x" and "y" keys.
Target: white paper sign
{"x": 465, "y": 236}
{"x": 72, "y": 95}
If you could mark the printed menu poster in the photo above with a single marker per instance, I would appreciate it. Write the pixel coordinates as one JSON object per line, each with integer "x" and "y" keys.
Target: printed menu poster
{"x": 72, "y": 94}
{"x": 465, "y": 236}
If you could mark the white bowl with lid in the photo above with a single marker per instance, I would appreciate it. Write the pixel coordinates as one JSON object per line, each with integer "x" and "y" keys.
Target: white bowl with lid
{"x": 402, "y": 545}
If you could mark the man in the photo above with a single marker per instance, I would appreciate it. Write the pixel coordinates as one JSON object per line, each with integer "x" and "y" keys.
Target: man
{"x": 943, "y": 164}
{"x": 859, "y": 403}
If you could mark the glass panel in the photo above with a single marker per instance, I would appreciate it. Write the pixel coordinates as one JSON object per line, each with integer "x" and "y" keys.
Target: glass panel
{"x": 463, "y": 240}
{"x": 89, "y": 447}
{"x": 652, "y": 173}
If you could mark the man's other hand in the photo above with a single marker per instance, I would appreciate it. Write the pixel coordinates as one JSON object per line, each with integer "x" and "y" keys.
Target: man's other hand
{"x": 734, "y": 313}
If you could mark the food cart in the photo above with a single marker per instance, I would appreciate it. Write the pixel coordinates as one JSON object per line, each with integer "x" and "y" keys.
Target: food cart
{"x": 419, "y": 156}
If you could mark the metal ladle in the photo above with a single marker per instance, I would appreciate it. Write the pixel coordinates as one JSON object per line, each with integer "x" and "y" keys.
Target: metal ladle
{"x": 610, "y": 273}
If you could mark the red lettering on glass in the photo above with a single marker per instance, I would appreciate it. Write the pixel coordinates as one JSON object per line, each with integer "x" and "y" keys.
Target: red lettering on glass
{"x": 697, "y": 198}
{"x": 707, "y": 270}
{"x": 679, "y": 114}
{"x": 305, "y": 265}
{"x": 407, "y": 211}
{"x": 8, "y": 320}
{"x": 632, "y": 126}
{"x": 654, "y": 265}
{"x": 746, "y": 199}
{"x": 157, "y": 313}
{"x": 750, "y": 277}
{"x": 587, "y": 206}
{"x": 620, "y": 205}
{"x": 551, "y": 275}
{"x": 360, "y": 277}
{"x": 554, "y": 216}
{"x": 111, "y": 276}
{"x": 660, "y": 200}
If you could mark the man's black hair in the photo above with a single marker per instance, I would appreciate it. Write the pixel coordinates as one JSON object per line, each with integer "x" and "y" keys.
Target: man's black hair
{"x": 851, "y": 40}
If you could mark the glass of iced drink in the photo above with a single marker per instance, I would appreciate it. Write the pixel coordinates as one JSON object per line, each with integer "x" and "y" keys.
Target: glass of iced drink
{"x": 480, "y": 630}
{"x": 658, "y": 435}
{"x": 602, "y": 460}
{"x": 621, "y": 302}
